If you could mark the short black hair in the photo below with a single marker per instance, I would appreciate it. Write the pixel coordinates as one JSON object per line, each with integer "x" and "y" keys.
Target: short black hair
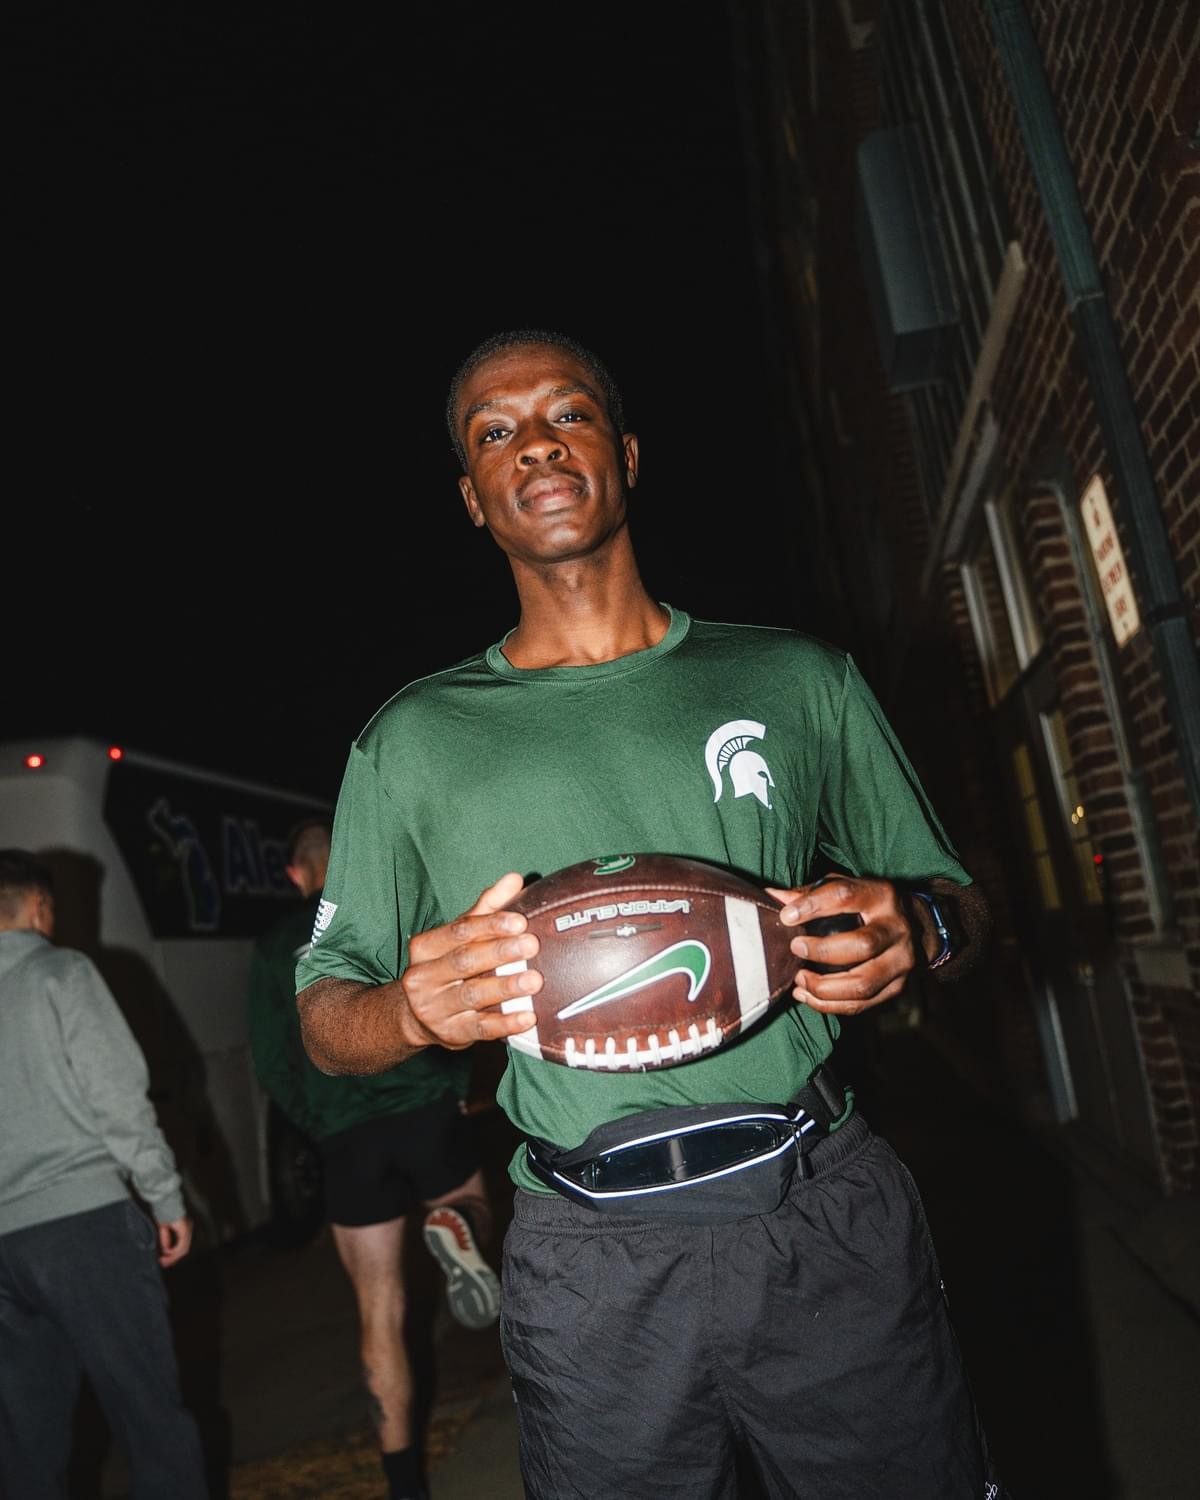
{"x": 21, "y": 871}
{"x": 513, "y": 338}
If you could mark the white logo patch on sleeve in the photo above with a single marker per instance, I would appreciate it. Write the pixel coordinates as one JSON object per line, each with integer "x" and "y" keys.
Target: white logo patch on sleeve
{"x": 325, "y": 913}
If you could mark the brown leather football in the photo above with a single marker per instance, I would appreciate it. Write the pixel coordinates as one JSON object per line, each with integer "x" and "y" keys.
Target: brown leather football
{"x": 650, "y": 960}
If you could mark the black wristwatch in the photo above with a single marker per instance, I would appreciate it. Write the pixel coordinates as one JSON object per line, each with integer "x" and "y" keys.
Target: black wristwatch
{"x": 939, "y": 921}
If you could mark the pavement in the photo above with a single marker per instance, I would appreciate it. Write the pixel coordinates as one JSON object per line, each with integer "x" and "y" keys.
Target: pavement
{"x": 1075, "y": 1291}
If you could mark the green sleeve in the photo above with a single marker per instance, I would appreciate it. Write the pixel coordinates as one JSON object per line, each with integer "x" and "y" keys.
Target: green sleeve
{"x": 273, "y": 1023}
{"x": 368, "y": 900}
{"x": 875, "y": 818}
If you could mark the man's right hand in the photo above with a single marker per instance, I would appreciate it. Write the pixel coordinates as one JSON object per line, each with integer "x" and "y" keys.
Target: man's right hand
{"x": 449, "y": 996}
{"x": 452, "y": 992}
{"x": 174, "y": 1240}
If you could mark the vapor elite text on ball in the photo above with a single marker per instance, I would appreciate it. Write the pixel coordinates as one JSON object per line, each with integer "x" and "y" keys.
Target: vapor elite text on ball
{"x": 649, "y": 960}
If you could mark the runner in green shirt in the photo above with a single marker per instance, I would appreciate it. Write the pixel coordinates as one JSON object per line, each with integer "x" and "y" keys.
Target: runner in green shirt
{"x": 646, "y": 1350}
{"x": 389, "y": 1143}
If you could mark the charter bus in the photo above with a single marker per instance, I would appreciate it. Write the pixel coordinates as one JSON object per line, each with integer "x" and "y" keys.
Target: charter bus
{"x": 166, "y": 873}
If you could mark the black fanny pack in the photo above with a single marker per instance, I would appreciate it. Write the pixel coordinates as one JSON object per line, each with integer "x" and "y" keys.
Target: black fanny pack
{"x": 701, "y": 1164}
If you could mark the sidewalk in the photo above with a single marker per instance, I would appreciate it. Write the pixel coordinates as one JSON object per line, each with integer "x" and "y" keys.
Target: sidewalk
{"x": 1163, "y": 1234}
{"x": 482, "y": 1463}
{"x": 1074, "y": 1288}
{"x": 472, "y": 1453}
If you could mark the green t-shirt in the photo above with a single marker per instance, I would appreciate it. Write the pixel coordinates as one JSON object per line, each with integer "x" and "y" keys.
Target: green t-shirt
{"x": 317, "y": 1103}
{"x": 759, "y": 749}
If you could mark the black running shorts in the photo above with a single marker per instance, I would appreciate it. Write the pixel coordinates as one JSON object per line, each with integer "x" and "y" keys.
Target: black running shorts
{"x": 377, "y": 1171}
{"x": 813, "y": 1341}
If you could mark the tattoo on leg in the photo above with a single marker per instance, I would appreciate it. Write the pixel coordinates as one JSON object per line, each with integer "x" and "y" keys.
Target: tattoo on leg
{"x": 374, "y": 1405}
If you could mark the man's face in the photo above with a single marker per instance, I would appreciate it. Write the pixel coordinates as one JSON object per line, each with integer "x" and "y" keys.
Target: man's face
{"x": 546, "y": 472}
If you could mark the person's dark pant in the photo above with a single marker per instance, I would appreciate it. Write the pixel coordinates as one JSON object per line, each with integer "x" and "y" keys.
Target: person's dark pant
{"x": 644, "y": 1356}
{"x": 85, "y": 1294}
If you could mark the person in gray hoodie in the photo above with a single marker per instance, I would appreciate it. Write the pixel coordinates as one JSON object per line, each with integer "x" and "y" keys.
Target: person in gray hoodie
{"x": 81, "y": 1290}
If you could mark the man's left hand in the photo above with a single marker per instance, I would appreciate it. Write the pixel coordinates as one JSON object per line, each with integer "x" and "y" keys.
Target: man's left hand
{"x": 881, "y": 951}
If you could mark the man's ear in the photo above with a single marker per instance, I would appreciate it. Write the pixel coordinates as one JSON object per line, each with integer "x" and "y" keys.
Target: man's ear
{"x": 629, "y": 443}
{"x": 467, "y": 490}
{"x": 296, "y": 875}
{"x": 41, "y": 913}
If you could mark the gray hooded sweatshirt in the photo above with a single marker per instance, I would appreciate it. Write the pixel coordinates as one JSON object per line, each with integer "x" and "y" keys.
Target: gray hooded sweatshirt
{"x": 76, "y": 1127}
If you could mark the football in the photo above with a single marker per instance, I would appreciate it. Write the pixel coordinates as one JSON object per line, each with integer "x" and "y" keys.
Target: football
{"x": 649, "y": 960}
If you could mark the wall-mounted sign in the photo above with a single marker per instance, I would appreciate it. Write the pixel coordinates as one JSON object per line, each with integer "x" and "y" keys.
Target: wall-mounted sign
{"x": 1110, "y": 562}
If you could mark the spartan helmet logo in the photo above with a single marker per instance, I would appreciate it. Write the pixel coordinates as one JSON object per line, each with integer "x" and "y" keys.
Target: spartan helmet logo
{"x": 747, "y": 769}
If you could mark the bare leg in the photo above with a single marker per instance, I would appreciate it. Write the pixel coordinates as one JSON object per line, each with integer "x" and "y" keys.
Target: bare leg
{"x": 371, "y": 1255}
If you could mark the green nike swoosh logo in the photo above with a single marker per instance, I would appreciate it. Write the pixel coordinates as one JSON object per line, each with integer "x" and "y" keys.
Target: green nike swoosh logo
{"x": 688, "y": 957}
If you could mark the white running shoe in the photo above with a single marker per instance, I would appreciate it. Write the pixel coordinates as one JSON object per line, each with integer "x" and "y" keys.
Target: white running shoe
{"x": 472, "y": 1287}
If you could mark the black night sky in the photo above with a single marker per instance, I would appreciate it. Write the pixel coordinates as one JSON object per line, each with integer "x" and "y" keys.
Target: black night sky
{"x": 253, "y": 244}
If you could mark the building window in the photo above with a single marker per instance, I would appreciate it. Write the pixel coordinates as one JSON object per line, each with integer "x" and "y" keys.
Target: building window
{"x": 1014, "y": 579}
{"x": 1071, "y": 807}
{"x": 1035, "y": 829}
{"x": 989, "y": 618}
{"x": 1007, "y": 632}
{"x": 922, "y": 85}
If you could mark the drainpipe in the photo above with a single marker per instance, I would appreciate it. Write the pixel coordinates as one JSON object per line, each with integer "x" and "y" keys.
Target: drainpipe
{"x": 1165, "y": 609}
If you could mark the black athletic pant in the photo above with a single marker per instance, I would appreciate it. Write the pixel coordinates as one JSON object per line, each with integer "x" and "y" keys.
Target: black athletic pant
{"x": 815, "y": 1338}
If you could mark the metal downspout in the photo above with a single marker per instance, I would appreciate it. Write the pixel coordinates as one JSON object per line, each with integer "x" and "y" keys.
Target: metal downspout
{"x": 1165, "y": 609}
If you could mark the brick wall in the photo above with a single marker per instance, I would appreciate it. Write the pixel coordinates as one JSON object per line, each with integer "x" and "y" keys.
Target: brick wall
{"x": 926, "y": 670}
{"x": 1126, "y": 82}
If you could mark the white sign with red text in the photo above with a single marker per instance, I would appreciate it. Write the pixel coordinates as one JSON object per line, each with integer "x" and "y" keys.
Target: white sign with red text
{"x": 1110, "y": 562}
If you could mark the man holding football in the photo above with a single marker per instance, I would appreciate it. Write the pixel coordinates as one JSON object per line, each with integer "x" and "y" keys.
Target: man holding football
{"x": 714, "y": 1261}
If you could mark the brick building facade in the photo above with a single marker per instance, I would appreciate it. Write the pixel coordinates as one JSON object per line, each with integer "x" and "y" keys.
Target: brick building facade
{"x": 979, "y": 223}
